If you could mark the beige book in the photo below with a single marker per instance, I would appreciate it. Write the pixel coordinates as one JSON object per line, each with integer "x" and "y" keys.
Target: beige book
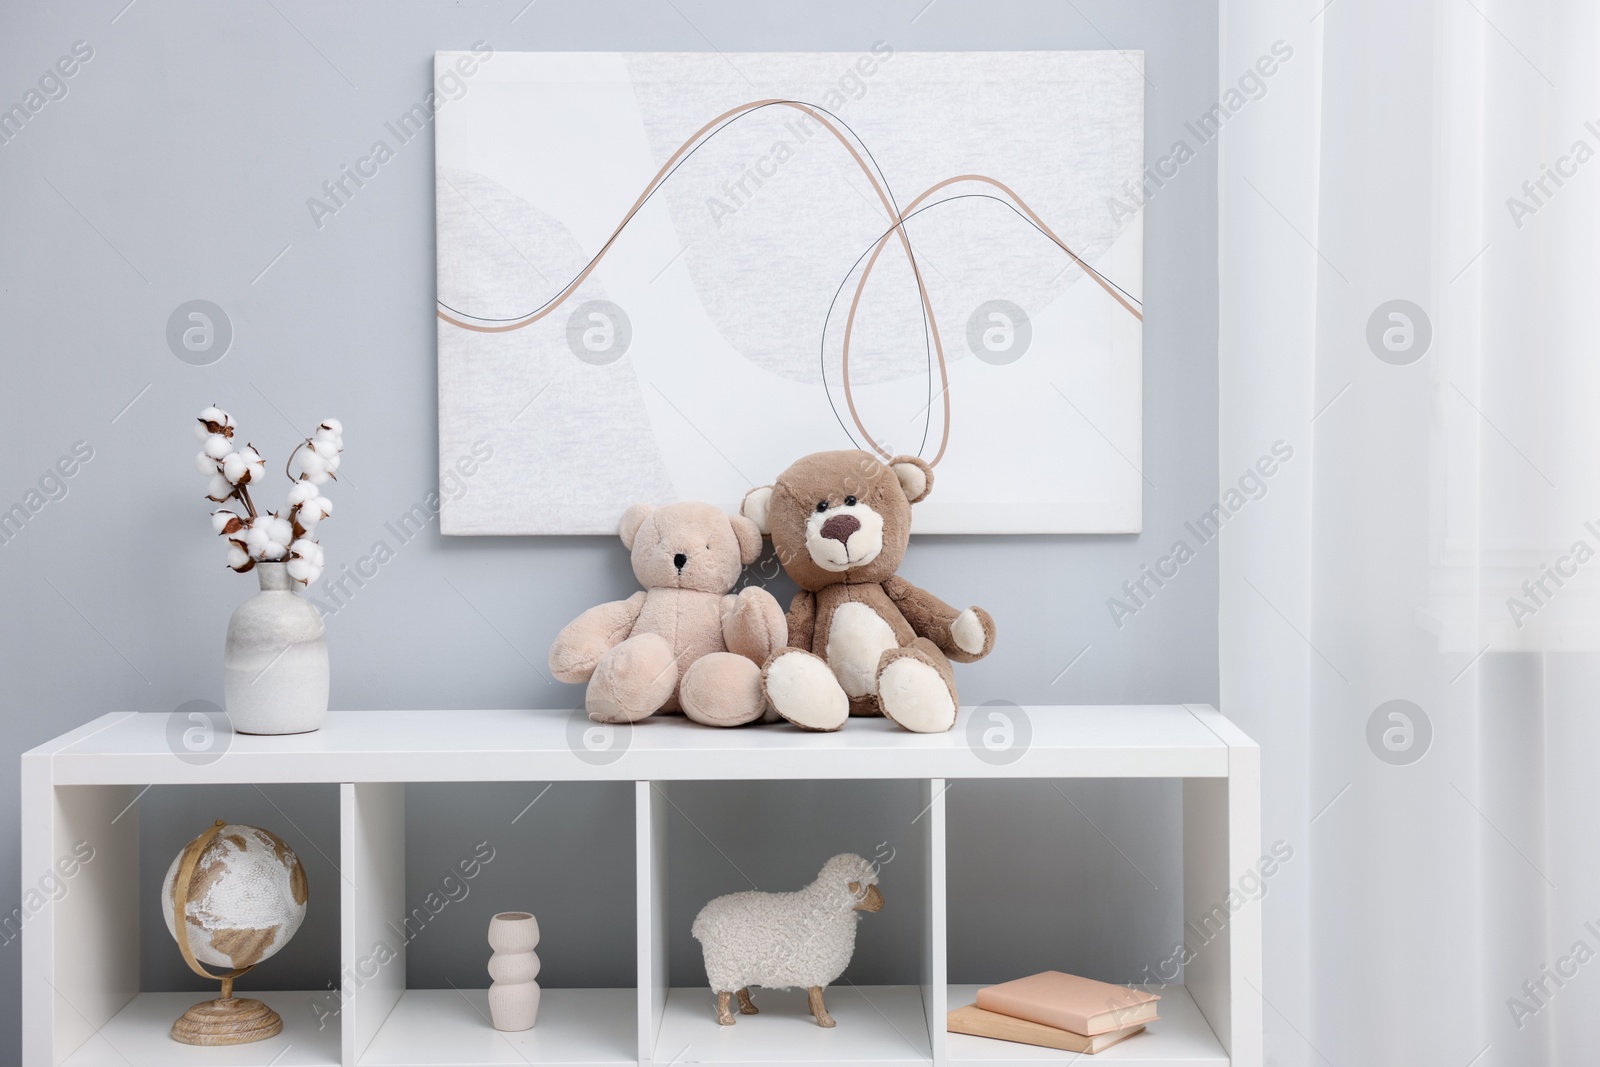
{"x": 1068, "y": 1002}
{"x": 979, "y": 1023}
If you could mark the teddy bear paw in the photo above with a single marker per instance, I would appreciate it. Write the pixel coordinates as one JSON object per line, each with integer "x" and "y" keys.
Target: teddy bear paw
{"x": 756, "y": 627}
{"x": 804, "y": 690}
{"x": 722, "y": 689}
{"x": 967, "y": 632}
{"x": 915, "y": 695}
{"x": 632, "y": 680}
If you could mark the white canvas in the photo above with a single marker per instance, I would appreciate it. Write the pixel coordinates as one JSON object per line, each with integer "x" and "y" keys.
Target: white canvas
{"x": 704, "y": 351}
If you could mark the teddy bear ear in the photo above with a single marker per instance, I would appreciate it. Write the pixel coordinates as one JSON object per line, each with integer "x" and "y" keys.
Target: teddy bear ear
{"x": 916, "y": 477}
{"x": 632, "y": 519}
{"x": 757, "y": 507}
{"x": 749, "y": 535}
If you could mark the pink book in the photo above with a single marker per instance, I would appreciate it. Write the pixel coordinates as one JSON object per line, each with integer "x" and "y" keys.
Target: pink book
{"x": 1068, "y": 1002}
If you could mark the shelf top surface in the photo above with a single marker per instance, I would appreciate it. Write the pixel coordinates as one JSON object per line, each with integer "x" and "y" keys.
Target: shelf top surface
{"x": 989, "y": 741}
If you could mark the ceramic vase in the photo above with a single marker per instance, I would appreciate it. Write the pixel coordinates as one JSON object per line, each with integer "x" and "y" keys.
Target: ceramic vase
{"x": 275, "y": 664}
{"x": 514, "y": 995}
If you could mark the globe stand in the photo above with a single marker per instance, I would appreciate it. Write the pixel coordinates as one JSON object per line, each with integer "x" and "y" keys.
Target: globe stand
{"x": 228, "y": 1020}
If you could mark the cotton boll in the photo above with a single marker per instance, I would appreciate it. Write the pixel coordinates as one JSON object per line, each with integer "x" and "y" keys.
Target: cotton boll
{"x": 314, "y": 511}
{"x": 217, "y": 446}
{"x": 325, "y": 460}
{"x": 244, "y": 466}
{"x": 204, "y": 428}
{"x": 237, "y": 558}
{"x": 314, "y": 467}
{"x": 214, "y": 420}
{"x": 268, "y": 537}
{"x": 256, "y": 465}
{"x": 328, "y": 440}
{"x": 305, "y": 560}
{"x": 225, "y": 522}
{"x": 301, "y": 492}
{"x": 256, "y": 539}
{"x": 220, "y": 488}
{"x": 204, "y": 463}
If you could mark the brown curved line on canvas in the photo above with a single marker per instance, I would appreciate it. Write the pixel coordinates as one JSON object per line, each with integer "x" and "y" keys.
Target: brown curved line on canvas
{"x": 560, "y": 297}
{"x": 938, "y": 347}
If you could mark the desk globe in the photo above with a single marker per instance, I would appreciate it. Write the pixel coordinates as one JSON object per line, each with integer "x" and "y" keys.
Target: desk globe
{"x": 233, "y": 897}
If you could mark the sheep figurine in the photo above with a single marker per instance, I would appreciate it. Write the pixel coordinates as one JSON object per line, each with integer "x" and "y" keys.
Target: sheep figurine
{"x": 786, "y": 940}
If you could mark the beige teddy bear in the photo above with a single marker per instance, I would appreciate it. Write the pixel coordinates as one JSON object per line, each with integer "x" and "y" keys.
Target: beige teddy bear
{"x": 684, "y": 642}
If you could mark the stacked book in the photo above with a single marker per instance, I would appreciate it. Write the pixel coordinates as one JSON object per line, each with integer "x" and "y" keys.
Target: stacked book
{"x": 1056, "y": 1010}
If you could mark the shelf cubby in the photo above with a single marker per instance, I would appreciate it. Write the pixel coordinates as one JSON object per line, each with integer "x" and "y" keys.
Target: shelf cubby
{"x": 1096, "y": 888}
{"x": 113, "y": 940}
{"x": 700, "y": 846}
{"x": 872, "y": 788}
{"x": 432, "y": 914}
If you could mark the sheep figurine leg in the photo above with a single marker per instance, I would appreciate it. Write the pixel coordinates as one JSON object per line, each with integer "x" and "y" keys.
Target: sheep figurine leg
{"x": 798, "y": 940}
{"x": 819, "y": 1011}
{"x": 746, "y": 1006}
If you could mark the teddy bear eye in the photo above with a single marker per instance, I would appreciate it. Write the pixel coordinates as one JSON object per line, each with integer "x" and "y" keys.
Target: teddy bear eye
{"x": 822, "y": 505}
{"x": 849, "y": 501}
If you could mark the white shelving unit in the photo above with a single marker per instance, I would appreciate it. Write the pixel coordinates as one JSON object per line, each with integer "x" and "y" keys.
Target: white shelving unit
{"x": 82, "y": 1005}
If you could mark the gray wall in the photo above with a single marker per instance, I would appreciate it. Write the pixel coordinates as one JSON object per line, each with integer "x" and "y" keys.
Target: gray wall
{"x": 178, "y": 166}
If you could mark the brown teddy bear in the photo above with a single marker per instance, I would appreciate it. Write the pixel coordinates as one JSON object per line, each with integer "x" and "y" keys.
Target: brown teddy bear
{"x": 684, "y": 642}
{"x": 864, "y": 641}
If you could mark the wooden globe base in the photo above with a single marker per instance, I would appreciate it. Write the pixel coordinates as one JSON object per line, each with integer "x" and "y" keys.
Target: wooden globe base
{"x": 227, "y": 1021}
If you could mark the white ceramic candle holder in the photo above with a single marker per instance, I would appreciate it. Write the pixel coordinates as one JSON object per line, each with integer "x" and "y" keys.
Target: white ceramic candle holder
{"x": 514, "y": 995}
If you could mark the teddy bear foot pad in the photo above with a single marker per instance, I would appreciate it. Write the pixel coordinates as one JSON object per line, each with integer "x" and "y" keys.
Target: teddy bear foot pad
{"x": 804, "y": 690}
{"x": 915, "y": 695}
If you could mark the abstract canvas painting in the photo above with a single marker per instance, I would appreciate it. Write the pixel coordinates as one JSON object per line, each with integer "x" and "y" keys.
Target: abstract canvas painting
{"x": 666, "y": 276}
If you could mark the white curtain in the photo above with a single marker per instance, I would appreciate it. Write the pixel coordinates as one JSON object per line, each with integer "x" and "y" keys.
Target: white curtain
{"x": 1435, "y": 538}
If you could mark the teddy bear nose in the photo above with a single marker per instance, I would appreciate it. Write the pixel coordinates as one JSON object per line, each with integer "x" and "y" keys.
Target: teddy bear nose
{"x": 840, "y": 527}
{"x": 679, "y": 560}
